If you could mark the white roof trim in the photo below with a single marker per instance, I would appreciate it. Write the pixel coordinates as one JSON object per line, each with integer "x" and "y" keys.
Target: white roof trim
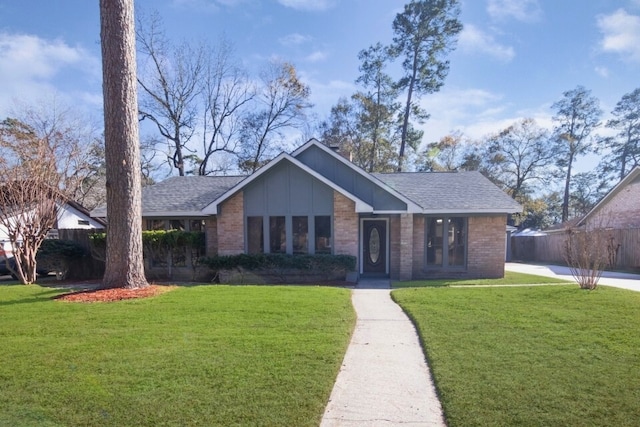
{"x": 412, "y": 207}
{"x": 212, "y": 208}
{"x": 635, "y": 172}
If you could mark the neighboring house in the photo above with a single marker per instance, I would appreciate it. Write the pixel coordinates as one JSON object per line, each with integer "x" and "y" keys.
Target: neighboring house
{"x": 619, "y": 208}
{"x": 402, "y": 225}
{"x": 71, "y": 215}
{"x": 617, "y": 213}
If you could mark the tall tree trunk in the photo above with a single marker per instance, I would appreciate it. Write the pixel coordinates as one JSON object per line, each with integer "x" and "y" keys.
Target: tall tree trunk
{"x": 567, "y": 187}
{"x": 124, "y": 262}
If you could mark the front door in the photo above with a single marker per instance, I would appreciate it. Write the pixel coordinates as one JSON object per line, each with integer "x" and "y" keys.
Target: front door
{"x": 374, "y": 246}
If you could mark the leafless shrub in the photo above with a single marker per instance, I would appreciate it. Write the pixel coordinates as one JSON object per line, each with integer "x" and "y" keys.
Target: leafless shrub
{"x": 588, "y": 253}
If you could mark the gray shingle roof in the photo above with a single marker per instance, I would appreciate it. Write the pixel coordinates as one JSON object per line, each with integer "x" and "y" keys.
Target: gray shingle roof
{"x": 181, "y": 194}
{"x": 450, "y": 191}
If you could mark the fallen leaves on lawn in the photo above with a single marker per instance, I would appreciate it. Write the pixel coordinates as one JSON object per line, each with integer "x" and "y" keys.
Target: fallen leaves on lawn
{"x": 115, "y": 294}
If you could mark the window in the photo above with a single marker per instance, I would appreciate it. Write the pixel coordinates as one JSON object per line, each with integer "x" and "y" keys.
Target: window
{"x": 323, "y": 234}
{"x": 155, "y": 224}
{"x": 446, "y": 242}
{"x": 300, "y": 234}
{"x": 83, "y": 222}
{"x": 255, "y": 235}
{"x": 308, "y": 234}
{"x": 277, "y": 235}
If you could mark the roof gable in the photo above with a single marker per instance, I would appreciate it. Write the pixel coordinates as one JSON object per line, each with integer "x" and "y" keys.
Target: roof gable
{"x": 354, "y": 179}
{"x": 632, "y": 178}
{"x": 212, "y": 208}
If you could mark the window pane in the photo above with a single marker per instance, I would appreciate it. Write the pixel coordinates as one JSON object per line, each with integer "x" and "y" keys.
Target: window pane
{"x": 155, "y": 224}
{"x": 300, "y": 235}
{"x": 456, "y": 240}
{"x": 277, "y": 235}
{"x": 255, "y": 235}
{"x": 176, "y": 224}
{"x": 435, "y": 233}
{"x": 196, "y": 225}
{"x": 323, "y": 234}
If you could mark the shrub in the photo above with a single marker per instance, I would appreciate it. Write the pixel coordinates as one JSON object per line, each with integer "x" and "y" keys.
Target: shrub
{"x": 58, "y": 255}
{"x": 317, "y": 263}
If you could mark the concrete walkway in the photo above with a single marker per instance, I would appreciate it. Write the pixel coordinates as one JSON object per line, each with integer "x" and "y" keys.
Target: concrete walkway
{"x": 609, "y": 278}
{"x": 384, "y": 379}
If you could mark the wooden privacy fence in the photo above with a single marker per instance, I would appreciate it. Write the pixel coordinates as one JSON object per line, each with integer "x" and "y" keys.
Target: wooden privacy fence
{"x": 550, "y": 248}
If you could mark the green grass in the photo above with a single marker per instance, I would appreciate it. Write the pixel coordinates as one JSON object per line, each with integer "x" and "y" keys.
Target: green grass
{"x": 531, "y": 356}
{"x": 204, "y": 355}
{"x": 510, "y": 278}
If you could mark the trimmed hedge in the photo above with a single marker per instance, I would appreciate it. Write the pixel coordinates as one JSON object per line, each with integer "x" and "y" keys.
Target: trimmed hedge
{"x": 316, "y": 263}
{"x": 159, "y": 238}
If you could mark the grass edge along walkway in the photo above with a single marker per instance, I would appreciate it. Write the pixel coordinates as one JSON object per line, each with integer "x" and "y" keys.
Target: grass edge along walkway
{"x": 199, "y": 355}
{"x": 510, "y": 278}
{"x": 555, "y": 355}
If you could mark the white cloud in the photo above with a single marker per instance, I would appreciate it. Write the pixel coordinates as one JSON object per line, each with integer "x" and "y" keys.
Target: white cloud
{"x": 521, "y": 10}
{"x": 317, "y": 56}
{"x": 308, "y": 5}
{"x": 294, "y": 39}
{"x": 472, "y": 39}
{"x": 602, "y": 71}
{"x": 31, "y": 66}
{"x": 621, "y": 34}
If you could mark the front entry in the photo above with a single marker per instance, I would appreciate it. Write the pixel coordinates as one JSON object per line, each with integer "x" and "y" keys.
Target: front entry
{"x": 374, "y": 246}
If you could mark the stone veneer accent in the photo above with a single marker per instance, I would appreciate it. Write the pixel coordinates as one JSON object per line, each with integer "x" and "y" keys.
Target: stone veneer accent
{"x": 230, "y": 225}
{"x": 211, "y": 234}
{"x": 345, "y": 226}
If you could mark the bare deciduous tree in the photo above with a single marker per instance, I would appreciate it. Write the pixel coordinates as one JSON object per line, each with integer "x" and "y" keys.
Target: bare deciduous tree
{"x": 170, "y": 80}
{"x": 226, "y": 93}
{"x": 124, "y": 259}
{"x": 282, "y": 103}
{"x": 39, "y": 171}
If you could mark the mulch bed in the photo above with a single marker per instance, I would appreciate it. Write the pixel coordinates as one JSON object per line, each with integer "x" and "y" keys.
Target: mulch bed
{"x": 116, "y": 294}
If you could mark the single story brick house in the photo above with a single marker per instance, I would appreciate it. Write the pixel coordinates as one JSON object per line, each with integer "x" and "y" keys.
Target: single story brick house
{"x": 405, "y": 226}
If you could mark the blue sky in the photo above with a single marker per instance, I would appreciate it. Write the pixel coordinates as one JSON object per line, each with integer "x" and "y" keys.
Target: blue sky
{"x": 514, "y": 57}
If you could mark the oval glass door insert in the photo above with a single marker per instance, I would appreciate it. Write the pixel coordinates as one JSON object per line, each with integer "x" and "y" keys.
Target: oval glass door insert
{"x": 374, "y": 245}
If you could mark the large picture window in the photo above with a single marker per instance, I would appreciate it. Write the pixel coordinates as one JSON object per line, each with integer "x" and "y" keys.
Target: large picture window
{"x": 322, "y": 234}
{"x": 446, "y": 242}
{"x": 277, "y": 235}
{"x": 299, "y": 234}
{"x": 255, "y": 235}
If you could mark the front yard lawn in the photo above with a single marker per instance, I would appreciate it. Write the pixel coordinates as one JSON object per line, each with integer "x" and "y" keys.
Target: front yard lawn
{"x": 202, "y": 355}
{"x": 534, "y": 356}
{"x": 510, "y": 278}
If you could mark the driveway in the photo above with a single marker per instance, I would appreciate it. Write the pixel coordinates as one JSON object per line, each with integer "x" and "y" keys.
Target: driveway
{"x": 609, "y": 278}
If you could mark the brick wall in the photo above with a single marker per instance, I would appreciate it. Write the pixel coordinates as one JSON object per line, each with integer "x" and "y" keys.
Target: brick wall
{"x": 395, "y": 243}
{"x": 418, "y": 246}
{"x": 230, "y": 225}
{"x": 345, "y": 226}
{"x": 622, "y": 211}
{"x": 406, "y": 247}
{"x": 486, "y": 246}
{"x": 485, "y": 249}
{"x": 211, "y": 234}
